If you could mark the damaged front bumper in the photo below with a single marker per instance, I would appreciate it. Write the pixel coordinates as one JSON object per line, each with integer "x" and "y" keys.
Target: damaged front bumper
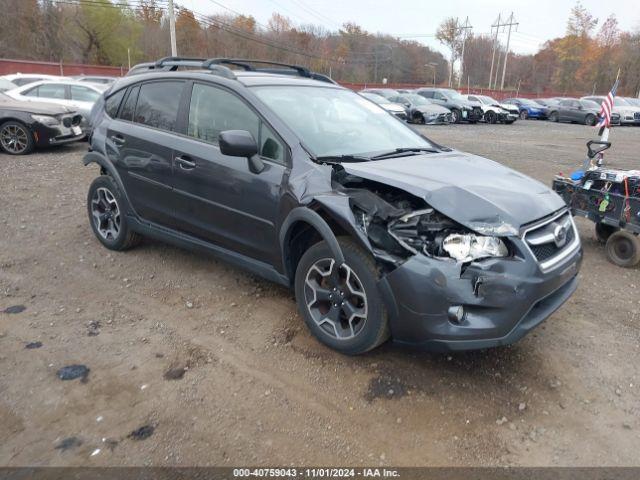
{"x": 502, "y": 299}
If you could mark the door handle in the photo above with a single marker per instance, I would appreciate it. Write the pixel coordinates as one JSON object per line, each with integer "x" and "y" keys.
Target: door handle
{"x": 185, "y": 163}
{"x": 118, "y": 140}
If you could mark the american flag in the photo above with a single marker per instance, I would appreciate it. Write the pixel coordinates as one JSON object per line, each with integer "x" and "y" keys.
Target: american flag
{"x": 607, "y": 105}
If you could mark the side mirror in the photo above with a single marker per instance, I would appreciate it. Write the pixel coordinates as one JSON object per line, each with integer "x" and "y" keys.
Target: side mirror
{"x": 240, "y": 143}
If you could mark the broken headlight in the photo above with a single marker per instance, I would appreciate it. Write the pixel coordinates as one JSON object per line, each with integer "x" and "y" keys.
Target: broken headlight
{"x": 469, "y": 246}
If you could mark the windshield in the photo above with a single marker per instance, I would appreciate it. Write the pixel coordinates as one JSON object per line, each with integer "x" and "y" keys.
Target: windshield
{"x": 485, "y": 99}
{"x": 6, "y": 85}
{"x": 453, "y": 95}
{"x": 528, "y": 102}
{"x": 334, "y": 122}
{"x": 620, "y": 102}
{"x": 374, "y": 97}
{"x": 416, "y": 99}
{"x": 589, "y": 104}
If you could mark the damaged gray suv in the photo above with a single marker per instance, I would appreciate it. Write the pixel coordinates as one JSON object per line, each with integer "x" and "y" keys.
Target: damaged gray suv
{"x": 381, "y": 232}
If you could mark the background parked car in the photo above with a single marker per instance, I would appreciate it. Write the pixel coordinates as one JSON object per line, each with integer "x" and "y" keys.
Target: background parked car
{"x": 528, "y": 108}
{"x": 461, "y": 108}
{"x": 581, "y": 111}
{"x": 383, "y": 92}
{"x": 394, "y": 108}
{"x": 100, "y": 79}
{"x": 6, "y": 85}
{"x": 494, "y": 112}
{"x": 547, "y": 102}
{"x": 21, "y": 79}
{"x": 629, "y": 114}
{"x": 79, "y": 96}
{"x": 422, "y": 110}
{"x": 27, "y": 125}
{"x": 632, "y": 101}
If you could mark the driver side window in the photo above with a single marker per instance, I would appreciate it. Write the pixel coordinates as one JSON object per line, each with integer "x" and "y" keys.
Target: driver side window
{"x": 213, "y": 110}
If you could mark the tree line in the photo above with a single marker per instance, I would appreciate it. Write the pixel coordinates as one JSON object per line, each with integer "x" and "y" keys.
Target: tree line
{"x": 116, "y": 32}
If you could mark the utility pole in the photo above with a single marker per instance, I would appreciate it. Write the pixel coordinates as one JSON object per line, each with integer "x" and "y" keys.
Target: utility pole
{"x": 506, "y": 53}
{"x": 172, "y": 30}
{"x": 495, "y": 42}
{"x": 466, "y": 27}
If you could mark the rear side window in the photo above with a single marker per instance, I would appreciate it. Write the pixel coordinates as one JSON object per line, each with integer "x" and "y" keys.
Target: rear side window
{"x": 213, "y": 110}
{"x": 113, "y": 103}
{"x": 83, "y": 94}
{"x": 158, "y": 104}
{"x": 129, "y": 106}
{"x": 24, "y": 81}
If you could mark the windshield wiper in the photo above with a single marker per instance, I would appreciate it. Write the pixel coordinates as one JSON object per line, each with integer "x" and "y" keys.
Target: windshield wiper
{"x": 342, "y": 158}
{"x": 397, "y": 151}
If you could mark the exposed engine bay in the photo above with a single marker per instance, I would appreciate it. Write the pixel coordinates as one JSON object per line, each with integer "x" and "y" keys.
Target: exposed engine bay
{"x": 397, "y": 223}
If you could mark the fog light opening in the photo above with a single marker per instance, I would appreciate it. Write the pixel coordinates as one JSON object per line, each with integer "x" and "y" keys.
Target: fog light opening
{"x": 456, "y": 314}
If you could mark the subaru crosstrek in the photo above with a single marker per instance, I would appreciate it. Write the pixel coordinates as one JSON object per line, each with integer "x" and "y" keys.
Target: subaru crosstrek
{"x": 381, "y": 232}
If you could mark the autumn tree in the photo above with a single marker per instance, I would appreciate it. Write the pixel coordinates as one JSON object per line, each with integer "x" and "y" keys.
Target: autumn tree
{"x": 450, "y": 35}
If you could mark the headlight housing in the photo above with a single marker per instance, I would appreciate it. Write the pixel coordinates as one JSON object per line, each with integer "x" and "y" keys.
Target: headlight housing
{"x": 468, "y": 247}
{"x": 46, "y": 120}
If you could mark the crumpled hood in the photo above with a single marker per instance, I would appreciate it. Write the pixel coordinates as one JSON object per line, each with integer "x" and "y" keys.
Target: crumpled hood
{"x": 478, "y": 193}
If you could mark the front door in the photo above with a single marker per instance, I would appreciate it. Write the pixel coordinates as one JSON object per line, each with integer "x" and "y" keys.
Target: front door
{"x": 218, "y": 198}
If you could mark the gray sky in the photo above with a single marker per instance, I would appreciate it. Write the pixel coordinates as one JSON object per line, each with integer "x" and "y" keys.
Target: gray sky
{"x": 540, "y": 20}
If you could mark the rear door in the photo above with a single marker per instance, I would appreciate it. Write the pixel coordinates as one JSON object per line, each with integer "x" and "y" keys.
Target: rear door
{"x": 218, "y": 198}
{"x": 140, "y": 142}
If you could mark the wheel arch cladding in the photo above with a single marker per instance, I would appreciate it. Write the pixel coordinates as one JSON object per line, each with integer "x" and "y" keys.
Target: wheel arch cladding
{"x": 107, "y": 166}
{"x": 306, "y": 222}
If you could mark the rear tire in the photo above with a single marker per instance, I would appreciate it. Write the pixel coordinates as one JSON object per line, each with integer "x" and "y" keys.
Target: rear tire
{"x": 107, "y": 216}
{"x": 590, "y": 120}
{"x": 553, "y": 117}
{"x": 524, "y": 115}
{"x": 341, "y": 305}
{"x": 623, "y": 249}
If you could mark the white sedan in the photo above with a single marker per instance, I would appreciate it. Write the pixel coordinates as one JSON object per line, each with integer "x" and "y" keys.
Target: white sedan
{"x": 80, "y": 96}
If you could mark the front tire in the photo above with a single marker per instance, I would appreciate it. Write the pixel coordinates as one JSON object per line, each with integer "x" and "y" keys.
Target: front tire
{"x": 341, "y": 304}
{"x": 107, "y": 216}
{"x": 524, "y": 115}
{"x": 16, "y": 138}
{"x": 456, "y": 115}
{"x": 553, "y": 117}
{"x": 490, "y": 117}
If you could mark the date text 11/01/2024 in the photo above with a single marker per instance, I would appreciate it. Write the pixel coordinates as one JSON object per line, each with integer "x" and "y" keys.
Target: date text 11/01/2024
{"x": 316, "y": 472}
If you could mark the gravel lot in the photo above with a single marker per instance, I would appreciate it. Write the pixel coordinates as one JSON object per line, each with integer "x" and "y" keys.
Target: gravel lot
{"x": 194, "y": 362}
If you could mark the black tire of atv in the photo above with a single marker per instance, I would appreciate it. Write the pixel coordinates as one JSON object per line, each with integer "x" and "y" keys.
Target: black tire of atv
{"x": 623, "y": 249}
{"x": 31, "y": 143}
{"x": 604, "y": 231}
{"x": 376, "y": 328}
{"x": 126, "y": 238}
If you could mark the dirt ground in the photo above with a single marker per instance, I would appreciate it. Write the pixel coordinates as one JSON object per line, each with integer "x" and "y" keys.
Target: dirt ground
{"x": 195, "y": 362}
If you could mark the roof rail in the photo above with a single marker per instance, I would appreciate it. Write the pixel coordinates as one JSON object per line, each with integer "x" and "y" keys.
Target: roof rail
{"x": 220, "y": 66}
{"x": 171, "y": 64}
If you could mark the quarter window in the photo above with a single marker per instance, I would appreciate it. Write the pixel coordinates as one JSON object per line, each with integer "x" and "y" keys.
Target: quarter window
{"x": 158, "y": 104}
{"x": 129, "y": 106}
{"x": 113, "y": 103}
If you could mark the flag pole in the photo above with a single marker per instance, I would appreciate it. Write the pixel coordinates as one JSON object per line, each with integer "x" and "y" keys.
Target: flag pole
{"x": 604, "y": 136}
